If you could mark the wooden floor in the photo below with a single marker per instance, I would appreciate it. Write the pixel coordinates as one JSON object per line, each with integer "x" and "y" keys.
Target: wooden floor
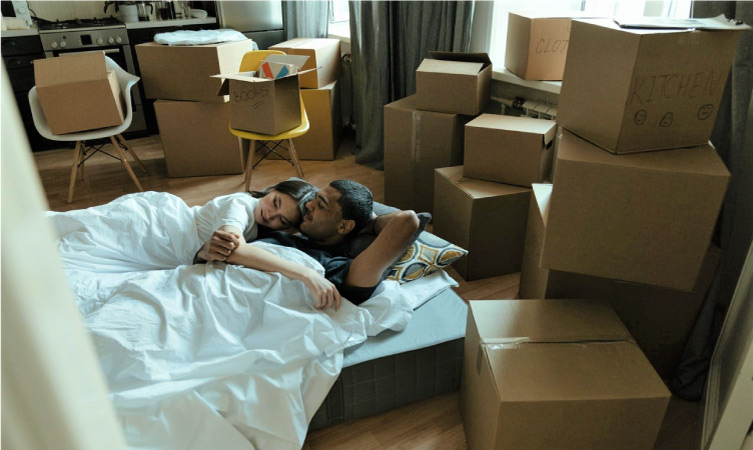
{"x": 430, "y": 424}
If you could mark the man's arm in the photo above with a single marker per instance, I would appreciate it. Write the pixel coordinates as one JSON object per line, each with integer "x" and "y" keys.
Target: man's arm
{"x": 394, "y": 233}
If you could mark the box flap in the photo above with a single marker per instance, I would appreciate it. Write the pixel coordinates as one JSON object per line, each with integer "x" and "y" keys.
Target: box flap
{"x": 450, "y": 67}
{"x": 88, "y": 66}
{"x": 461, "y": 57}
{"x": 541, "y": 194}
{"x": 505, "y": 321}
{"x": 709, "y": 23}
{"x": 519, "y": 124}
{"x": 701, "y": 160}
{"x": 477, "y": 189}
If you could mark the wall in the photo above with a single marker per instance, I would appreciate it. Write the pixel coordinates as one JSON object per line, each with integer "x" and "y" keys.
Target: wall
{"x": 70, "y": 10}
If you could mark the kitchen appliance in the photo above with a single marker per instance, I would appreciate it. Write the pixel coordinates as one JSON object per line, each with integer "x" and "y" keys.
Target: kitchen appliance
{"x": 261, "y": 21}
{"x": 17, "y": 9}
{"x": 106, "y": 34}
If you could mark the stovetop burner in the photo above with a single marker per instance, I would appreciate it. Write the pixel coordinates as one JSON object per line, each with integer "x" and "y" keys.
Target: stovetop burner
{"x": 60, "y": 25}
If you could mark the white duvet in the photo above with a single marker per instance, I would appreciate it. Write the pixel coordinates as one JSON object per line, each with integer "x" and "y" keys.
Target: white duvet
{"x": 205, "y": 356}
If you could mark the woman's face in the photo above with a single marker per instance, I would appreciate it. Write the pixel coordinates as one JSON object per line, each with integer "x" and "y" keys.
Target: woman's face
{"x": 277, "y": 211}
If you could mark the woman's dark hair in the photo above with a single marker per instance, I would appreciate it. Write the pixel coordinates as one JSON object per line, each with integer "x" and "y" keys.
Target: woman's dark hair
{"x": 356, "y": 202}
{"x": 301, "y": 191}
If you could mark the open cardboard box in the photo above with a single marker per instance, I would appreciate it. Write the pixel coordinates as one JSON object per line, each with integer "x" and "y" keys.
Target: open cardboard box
{"x": 78, "y": 93}
{"x": 454, "y": 82}
{"x": 262, "y": 105}
{"x": 564, "y": 374}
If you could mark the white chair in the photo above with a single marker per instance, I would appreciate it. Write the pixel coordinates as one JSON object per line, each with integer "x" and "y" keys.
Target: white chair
{"x": 83, "y": 151}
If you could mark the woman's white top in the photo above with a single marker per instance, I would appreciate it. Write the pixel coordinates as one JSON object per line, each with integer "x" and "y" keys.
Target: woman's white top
{"x": 235, "y": 210}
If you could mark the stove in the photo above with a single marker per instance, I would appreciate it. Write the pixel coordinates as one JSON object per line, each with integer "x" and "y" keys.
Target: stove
{"x": 108, "y": 35}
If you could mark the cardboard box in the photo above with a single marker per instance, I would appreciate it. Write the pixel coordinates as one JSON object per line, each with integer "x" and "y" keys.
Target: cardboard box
{"x": 564, "y": 374}
{"x": 457, "y": 83}
{"x": 261, "y": 105}
{"x": 487, "y": 219}
{"x": 537, "y": 44}
{"x": 196, "y": 140}
{"x": 184, "y": 72}
{"x": 659, "y": 319}
{"x": 506, "y": 149}
{"x": 78, "y": 93}
{"x": 633, "y": 90}
{"x": 324, "y": 56}
{"x": 415, "y": 143}
{"x": 645, "y": 218}
{"x": 323, "y": 139}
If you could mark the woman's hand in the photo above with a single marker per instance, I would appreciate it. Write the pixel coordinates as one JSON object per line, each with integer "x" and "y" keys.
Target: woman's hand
{"x": 220, "y": 245}
{"x": 323, "y": 290}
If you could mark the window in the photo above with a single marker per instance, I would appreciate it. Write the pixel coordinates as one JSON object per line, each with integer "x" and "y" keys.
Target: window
{"x": 497, "y": 39}
{"x": 339, "y": 18}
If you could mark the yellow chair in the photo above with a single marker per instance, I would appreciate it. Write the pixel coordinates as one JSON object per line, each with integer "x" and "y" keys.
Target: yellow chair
{"x": 247, "y": 140}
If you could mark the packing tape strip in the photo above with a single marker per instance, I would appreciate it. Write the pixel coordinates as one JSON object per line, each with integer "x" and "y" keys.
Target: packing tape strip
{"x": 497, "y": 344}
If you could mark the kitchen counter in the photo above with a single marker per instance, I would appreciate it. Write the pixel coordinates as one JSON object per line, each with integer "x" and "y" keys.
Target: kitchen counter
{"x": 16, "y": 33}
{"x": 169, "y": 23}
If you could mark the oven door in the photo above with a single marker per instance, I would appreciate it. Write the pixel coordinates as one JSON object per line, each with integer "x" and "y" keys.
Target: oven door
{"x": 122, "y": 57}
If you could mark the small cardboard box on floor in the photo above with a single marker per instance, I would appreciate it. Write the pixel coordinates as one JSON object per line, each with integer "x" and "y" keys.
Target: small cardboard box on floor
{"x": 184, "y": 72}
{"x": 634, "y": 90}
{"x": 537, "y": 44}
{"x": 78, "y": 93}
{"x": 506, "y": 149}
{"x": 487, "y": 219}
{"x": 564, "y": 374}
{"x": 415, "y": 143}
{"x": 645, "y": 218}
{"x": 262, "y": 105}
{"x": 659, "y": 319}
{"x": 196, "y": 140}
{"x": 453, "y": 82}
{"x": 324, "y": 56}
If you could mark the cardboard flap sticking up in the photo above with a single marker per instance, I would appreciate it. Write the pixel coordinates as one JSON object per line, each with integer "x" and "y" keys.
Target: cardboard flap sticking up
{"x": 548, "y": 321}
{"x": 88, "y": 66}
{"x": 461, "y": 57}
{"x": 297, "y": 60}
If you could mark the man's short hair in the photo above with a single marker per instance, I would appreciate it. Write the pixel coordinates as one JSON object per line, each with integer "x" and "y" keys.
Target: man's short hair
{"x": 356, "y": 202}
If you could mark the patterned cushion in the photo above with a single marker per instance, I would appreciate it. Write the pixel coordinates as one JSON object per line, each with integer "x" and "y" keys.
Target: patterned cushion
{"x": 427, "y": 254}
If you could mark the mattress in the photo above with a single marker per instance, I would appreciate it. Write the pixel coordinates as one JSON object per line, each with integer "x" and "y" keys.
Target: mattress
{"x": 394, "y": 369}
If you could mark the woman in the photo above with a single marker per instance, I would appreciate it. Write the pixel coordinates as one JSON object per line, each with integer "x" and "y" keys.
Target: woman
{"x": 157, "y": 230}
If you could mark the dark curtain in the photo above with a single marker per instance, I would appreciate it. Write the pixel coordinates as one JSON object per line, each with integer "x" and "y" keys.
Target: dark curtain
{"x": 732, "y": 135}
{"x": 306, "y": 19}
{"x": 389, "y": 39}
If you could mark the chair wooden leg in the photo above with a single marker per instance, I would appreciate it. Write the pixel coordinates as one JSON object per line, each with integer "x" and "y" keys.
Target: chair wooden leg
{"x": 76, "y": 158}
{"x": 294, "y": 157}
{"x": 249, "y": 159}
{"x": 132, "y": 152}
{"x": 81, "y": 160}
{"x": 125, "y": 163}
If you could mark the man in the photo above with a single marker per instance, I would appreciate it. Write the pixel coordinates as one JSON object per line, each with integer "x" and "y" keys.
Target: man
{"x": 340, "y": 211}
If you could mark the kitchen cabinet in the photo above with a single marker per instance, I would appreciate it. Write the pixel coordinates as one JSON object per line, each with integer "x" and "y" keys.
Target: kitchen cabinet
{"x": 18, "y": 55}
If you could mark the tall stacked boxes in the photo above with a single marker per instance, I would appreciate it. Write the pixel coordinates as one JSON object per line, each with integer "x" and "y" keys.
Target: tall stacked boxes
{"x": 562, "y": 374}
{"x": 424, "y": 131}
{"x": 190, "y": 114}
{"x": 320, "y": 90}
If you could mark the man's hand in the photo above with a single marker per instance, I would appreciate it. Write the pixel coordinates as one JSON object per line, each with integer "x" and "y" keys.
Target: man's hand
{"x": 220, "y": 246}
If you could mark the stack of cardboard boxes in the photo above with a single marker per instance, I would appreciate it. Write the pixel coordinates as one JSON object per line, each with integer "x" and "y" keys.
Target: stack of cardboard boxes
{"x": 192, "y": 119}
{"x": 320, "y": 91}
{"x": 625, "y": 228}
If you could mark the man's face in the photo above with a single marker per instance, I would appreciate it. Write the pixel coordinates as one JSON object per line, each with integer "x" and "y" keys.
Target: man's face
{"x": 323, "y": 216}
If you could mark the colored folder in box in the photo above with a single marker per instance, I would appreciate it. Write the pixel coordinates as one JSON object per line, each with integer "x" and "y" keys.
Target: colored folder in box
{"x": 274, "y": 70}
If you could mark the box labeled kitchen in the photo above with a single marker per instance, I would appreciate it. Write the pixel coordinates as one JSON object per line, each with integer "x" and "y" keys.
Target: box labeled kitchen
{"x": 324, "y": 56}
{"x": 564, "y": 374}
{"x": 415, "y": 143}
{"x": 488, "y": 219}
{"x": 639, "y": 89}
{"x": 644, "y": 218}
{"x": 196, "y": 140}
{"x": 78, "y": 93}
{"x": 184, "y": 72}
{"x": 659, "y": 319}
{"x": 261, "y": 105}
{"x": 506, "y": 149}
{"x": 454, "y": 82}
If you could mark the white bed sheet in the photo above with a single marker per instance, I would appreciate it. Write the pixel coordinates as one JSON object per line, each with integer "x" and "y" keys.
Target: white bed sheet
{"x": 206, "y": 356}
